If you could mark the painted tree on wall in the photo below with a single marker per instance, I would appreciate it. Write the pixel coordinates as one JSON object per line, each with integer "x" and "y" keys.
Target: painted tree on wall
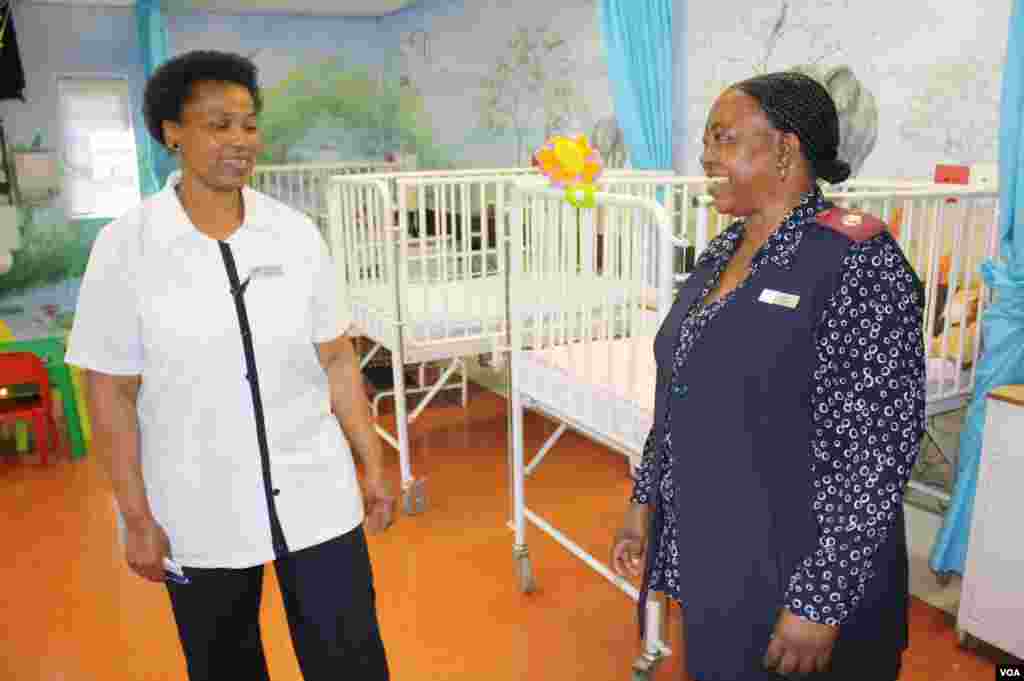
{"x": 364, "y": 114}
{"x": 764, "y": 37}
{"x": 955, "y": 110}
{"x": 806, "y": 23}
{"x": 773, "y": 38}
{"x": 531, "y": 89}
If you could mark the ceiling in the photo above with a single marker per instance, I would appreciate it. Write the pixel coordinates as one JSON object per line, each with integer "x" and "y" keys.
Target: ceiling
{"x": 352, "y": 8}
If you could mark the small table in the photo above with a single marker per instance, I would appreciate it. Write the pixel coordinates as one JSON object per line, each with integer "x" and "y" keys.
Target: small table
{"x": 45, "y": 339}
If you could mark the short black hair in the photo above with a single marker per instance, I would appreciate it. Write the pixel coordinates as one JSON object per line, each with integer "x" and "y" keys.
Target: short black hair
{"x": 171, "y": 84}
{"x": 801, "y": 105}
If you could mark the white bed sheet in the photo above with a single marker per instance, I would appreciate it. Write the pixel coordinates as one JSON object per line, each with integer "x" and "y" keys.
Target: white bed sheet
{"x": 440, "y": 312}
{"x": 607, "y": 388}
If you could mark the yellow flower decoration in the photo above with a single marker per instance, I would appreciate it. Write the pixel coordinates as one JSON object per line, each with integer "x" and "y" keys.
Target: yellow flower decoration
{"x": 572, "y": 163}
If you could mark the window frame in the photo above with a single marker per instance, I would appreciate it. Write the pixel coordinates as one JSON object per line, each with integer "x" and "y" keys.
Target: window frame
{"x": 119, "y": 80}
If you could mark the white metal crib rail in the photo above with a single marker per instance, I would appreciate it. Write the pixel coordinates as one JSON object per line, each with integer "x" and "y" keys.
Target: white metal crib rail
{"x": 303, "y": 186}
{"x": 361, "y": 235}
{"x": 452, "y": 228}
{"x": 946, "y": 233}
{"x": 409, "y": 245}
{"x": 446, "y": 228}
{"x": 557, "y": 248}
{"x": 679, "y": 195}
{"x": 598, "y": 293}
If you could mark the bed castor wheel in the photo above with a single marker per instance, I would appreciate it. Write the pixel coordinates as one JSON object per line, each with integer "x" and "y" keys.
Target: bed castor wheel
{"x": 645, "y": 666}
{"x": 965, "y": 640}
{"x": 414, "y": 497}
{"x": 524, "y": 570}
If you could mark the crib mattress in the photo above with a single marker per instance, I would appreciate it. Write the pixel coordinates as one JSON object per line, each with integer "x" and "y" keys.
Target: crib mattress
{"x": 607, "y": 387}
{"x": 446, "y": 311}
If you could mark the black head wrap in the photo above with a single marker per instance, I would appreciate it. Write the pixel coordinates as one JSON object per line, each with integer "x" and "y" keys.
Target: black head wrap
{"x": 799, "y": 104}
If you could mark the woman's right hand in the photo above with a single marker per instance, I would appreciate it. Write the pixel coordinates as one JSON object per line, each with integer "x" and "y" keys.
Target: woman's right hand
{"x": 631, "y": 542}
{"x": 146, "y": 546}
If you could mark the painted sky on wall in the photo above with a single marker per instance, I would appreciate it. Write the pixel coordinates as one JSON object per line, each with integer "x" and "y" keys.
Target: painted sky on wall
{"x": 278, "y": 44}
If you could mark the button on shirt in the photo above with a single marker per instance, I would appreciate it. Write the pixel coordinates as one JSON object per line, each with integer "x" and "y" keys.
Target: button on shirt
{"x": 156, "y": 302}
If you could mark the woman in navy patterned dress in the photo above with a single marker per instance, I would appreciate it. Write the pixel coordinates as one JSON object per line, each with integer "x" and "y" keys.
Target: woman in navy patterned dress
{"x": 788, "y": 414}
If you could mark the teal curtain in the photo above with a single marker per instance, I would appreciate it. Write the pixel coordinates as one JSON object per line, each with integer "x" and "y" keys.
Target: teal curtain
{"x": 155, "y": 163}
{"x": 638, "y": 41}
{"x": 1002, "y": 324}
{"x": 680, "y": 126}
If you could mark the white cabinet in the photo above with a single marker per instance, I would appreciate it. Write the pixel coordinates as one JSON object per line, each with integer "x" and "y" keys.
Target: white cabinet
{"x": 992, "y": 601}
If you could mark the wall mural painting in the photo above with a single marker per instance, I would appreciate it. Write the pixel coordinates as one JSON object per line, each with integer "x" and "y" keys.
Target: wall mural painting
{"x": 40, "y": 288}
{"x": 530, "y": 90}
{"x": 931, "y": 69}
{"x": 449, "y": 83}
{"x": 954, "y": 110}
{"x": 329, "y": 112}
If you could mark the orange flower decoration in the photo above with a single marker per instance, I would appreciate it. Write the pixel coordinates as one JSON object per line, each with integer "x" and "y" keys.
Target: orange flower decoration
{"x": 572, "y": 164}
{"x": 569, "y": 161}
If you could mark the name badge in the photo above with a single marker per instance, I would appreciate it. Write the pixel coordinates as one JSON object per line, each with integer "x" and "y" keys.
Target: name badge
{"x": 789, "y": 300}
{"x": 266, "y": 271}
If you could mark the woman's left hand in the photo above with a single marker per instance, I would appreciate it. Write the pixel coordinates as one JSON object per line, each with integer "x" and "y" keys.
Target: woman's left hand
{"x": 380, "y": 504}
{"x": 799, "y": 646}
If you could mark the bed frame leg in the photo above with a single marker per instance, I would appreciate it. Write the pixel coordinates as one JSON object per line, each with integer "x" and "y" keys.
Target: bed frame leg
{"x": 520, "y": 552}
{"x": 524, "y": 569}
{"x": 413, "y": 492}
{"x": 465, "y": 383}
{"x": 414, "y": 497}
{"x": 645, "y": 665}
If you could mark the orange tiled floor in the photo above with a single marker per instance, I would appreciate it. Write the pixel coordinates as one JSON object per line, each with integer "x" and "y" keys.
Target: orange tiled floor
{"x": 448, "y": 599}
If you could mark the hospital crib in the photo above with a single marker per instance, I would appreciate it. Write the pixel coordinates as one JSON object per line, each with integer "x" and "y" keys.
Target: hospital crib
{"x": 423, "y": 265}
{"x": 586, "y": 361}
{"x": 591, "y": 368}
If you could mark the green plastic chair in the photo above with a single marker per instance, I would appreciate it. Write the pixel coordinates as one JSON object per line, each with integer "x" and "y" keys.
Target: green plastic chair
{"x": 51, "y": 351}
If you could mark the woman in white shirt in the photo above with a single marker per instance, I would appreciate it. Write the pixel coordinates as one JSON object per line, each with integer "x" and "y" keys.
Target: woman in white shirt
{"x": 227, "y": 399}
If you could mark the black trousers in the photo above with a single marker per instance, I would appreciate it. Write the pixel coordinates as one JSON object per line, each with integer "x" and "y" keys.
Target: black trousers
{"x": 329, "y": 601}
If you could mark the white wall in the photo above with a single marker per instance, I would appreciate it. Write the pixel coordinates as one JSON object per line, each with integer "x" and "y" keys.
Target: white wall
{"x": 933, "y": 65}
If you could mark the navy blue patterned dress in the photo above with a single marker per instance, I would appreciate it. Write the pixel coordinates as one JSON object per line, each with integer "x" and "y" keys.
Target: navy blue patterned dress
{"x": 867, "y": 401}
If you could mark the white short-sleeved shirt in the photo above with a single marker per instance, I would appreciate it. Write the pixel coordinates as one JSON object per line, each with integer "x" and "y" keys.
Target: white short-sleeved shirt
{"x": 156, "y": 302}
